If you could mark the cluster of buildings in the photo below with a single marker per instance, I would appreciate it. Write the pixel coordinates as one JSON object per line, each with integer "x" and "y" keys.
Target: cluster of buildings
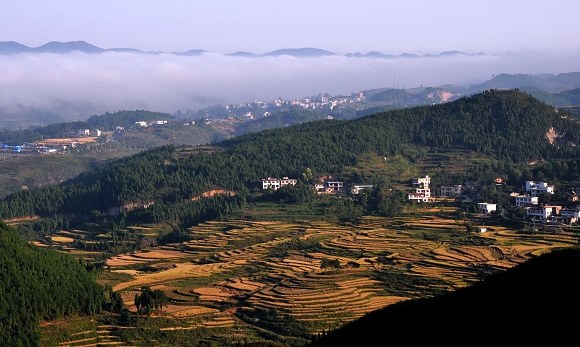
{"x": 144, "y": 124}
{"x": 86, "y": 132}
{"x": 528, "y": 200}
{"x": 52, "y": 146}
{"x": 546, "y": 213}
{"x": 257, "y": 109}
{"x": 326, "y": 185}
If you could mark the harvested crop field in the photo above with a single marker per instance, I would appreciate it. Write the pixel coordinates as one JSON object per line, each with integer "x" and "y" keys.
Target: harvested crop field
{"x": 320, "y": 274}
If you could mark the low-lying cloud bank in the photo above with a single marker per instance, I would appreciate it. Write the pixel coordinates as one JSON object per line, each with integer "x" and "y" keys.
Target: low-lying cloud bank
{"x": 77, "y": 85}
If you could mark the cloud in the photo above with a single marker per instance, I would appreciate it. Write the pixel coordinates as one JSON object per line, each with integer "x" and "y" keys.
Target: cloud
{"x": 77, "y": 85}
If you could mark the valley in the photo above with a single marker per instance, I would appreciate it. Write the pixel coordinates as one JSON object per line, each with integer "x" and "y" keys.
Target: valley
{"x": 312, "y": 273}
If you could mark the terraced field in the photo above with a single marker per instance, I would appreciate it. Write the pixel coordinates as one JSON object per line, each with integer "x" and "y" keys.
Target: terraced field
{"x": 319, "y": 274}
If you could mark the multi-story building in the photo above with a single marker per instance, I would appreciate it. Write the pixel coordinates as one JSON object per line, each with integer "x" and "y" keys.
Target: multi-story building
{"x": 543, "y": 212}
{"x": 524, "y": 200}
{"x": 333, "y": 186}
{"x": 277, "y": 183}
{"x": 422, "y": 181}
{"x": 356, "y": 188}
{"x": 421, "y": 192}
{"x": 486, "y": 208}
{"x": 537, "y": 188}
{"x": 570, "y": 215}
{"x": 452, "y": 191}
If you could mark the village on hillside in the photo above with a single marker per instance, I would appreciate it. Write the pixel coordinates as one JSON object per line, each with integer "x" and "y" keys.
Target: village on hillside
{"x": 530, "y": 200}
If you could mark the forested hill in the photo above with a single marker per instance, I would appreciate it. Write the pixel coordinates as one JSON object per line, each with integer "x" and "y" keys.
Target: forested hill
{"x": 39, "y": 284}
{"x": 508, "y": 125}
{"x": 530, "y": 304}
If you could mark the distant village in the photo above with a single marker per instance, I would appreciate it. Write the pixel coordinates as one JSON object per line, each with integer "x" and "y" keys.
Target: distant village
{"x": 210, "y": 115}
{"x": 564, "y": 212}
{"x": 73, "y": 139}
{"x": 326, "y": 103}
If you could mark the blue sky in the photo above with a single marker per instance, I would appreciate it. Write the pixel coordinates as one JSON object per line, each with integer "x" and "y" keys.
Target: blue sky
{"x": 264, "y": 25}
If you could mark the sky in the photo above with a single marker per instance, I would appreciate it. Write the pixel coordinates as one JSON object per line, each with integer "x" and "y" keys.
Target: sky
{"x": 516, "y": 36}
{"x": 260, "y": 26}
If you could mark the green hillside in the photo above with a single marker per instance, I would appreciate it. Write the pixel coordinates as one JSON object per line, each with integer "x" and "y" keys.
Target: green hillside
{"x": 39, "y": 284}
{"x": 507, "y": 125}
{"x": 529, "y": 304}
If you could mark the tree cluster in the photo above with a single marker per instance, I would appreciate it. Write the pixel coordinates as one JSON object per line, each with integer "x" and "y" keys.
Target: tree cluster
{"x": 38, "y": 284}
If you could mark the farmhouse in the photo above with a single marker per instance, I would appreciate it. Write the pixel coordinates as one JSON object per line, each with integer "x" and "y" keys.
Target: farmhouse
{"x": 277, "y": 183}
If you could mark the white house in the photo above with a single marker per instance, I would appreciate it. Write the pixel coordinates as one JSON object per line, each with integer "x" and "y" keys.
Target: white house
{"x": 570, "y": 215}
{"x": 420, "y": 195}
{"x": 285, "y": 181}
{"x": 486, "y": 208}
{"x": 452, "y": 191}
{"x": 523, "y": 200}
{"x": 333, "y": 186}
{"x": 319, "y": 187}
{"x": 422, "y": 192}
{"x": 537, "y": 188}
{"x": 543, "y": 212}
{"x": 141, "y": 124}
{"x": 356, "y": 188}
{"x": 83, "y": 132}
{"x": 277, "y": 183}
{"x": 422, "y": 181}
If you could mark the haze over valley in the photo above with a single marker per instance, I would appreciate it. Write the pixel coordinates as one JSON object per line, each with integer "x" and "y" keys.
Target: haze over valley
{"x": 66, "y": 85}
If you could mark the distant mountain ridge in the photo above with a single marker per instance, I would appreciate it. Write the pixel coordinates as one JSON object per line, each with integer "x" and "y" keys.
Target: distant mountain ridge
{"x": 57, "y": 47}
{"x": 551, "y": 83}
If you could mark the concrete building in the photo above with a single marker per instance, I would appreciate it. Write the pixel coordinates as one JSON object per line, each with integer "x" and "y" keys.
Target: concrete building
{"x": 452, "y": 191}
{"x": 486, "y": 208}
{"x": 277, "y": 183}
{"x": 356, "y": 188}
{"x": 333, "y": 186}
{"x": 543, "y": 213}
{"x": 537, "y": 188}
{"x": 524, "y": 200}
{"x": 421, "y": 192}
